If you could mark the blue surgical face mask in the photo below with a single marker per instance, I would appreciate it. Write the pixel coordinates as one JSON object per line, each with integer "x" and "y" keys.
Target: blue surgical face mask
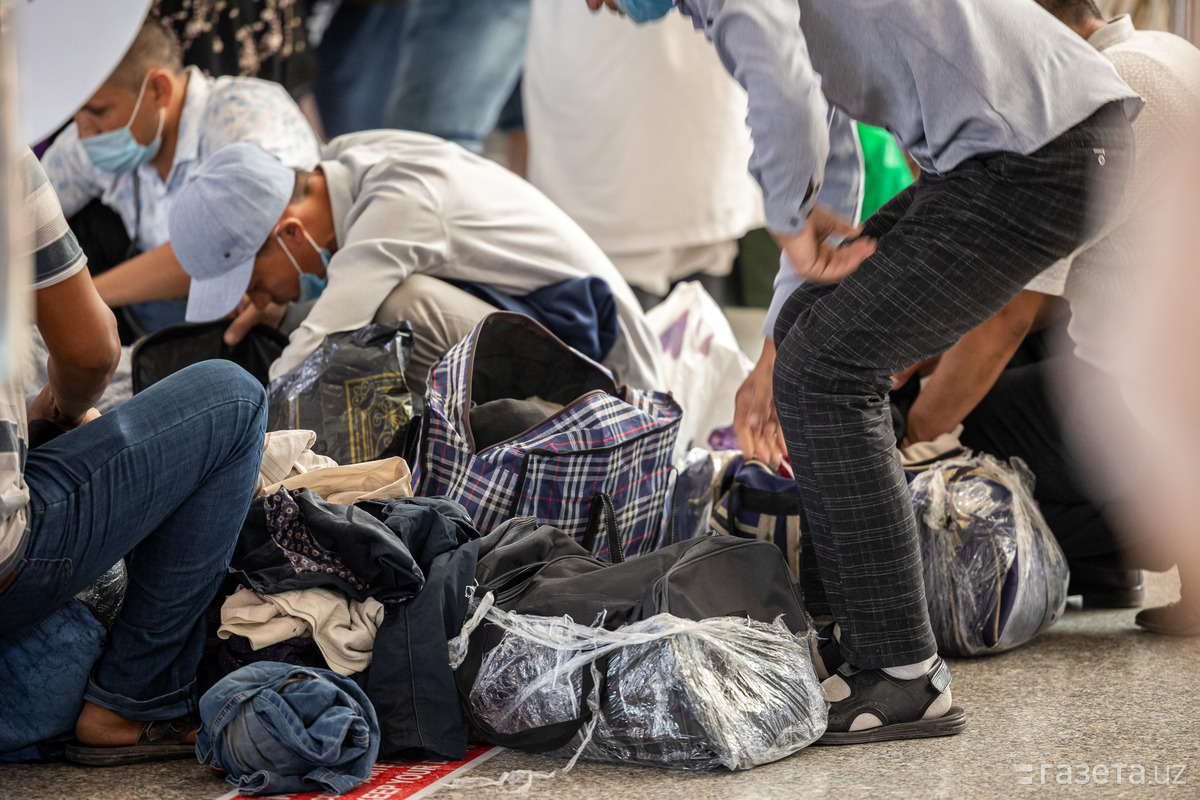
{"x": 118, "y": 151}
{"x": 311, "y": 286}
{"x": 643, "y": 11}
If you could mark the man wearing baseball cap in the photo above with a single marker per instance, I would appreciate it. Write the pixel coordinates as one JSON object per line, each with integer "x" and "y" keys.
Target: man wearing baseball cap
{"x": 374, "y": 234}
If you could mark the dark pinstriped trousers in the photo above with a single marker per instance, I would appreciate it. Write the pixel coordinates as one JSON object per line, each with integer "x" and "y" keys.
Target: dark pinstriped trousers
{"x": 952, "y": 250}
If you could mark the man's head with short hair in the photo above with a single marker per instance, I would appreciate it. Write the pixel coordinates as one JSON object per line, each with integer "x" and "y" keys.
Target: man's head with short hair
{"x": 145, "y": 92}
{"x": 243, "y": 224}
{"x": 154, "y": 47}
{"x": 1073, "y": 12}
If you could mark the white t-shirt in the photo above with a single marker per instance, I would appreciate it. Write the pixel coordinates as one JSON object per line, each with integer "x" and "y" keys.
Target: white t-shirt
{"x": 637, "y": 132}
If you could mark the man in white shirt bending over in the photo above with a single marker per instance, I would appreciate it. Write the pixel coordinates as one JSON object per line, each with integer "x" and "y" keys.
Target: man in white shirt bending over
{"x": 374, "y": 233}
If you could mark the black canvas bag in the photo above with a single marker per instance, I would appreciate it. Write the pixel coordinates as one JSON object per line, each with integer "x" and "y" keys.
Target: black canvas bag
{"x": 165, "y": 352}
{"x": 541, "y": 571}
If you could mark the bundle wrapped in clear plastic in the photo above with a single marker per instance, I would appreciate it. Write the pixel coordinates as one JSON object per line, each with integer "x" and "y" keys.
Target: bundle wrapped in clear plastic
{"x": 667, "y": 692}
{"x": 693, "y": 498}
{"x": 351, "y": 391}
{"x": 105, "y": 596}
{"x": 995, "y": 576}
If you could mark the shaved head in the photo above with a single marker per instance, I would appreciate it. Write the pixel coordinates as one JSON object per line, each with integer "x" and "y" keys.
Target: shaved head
{"x": 154, "y": 47}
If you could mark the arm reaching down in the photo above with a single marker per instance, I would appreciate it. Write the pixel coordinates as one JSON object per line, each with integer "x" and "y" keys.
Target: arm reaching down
{"x": 967, "y": 371}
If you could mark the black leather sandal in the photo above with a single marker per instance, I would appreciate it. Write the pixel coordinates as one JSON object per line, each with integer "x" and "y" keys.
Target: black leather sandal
{"x": 899, "y": 704}
{"x": 158, "y": 741}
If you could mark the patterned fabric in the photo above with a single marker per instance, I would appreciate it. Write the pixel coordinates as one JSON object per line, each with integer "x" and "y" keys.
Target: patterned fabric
{"x": 286, "y": 526}
{"x": 598, "y": 443}
{"x": 56, "y": 257}
{"x": 251, "y": 38}
{"x": 216, "y": 112}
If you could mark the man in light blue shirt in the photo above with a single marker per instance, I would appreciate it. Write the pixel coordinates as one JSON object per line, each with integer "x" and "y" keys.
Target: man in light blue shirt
{"x": 1021, "y": 131}
{"x": 135, "y": 143}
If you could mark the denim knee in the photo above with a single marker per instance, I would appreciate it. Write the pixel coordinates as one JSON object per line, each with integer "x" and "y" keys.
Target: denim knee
{"x": 218, "y": 381}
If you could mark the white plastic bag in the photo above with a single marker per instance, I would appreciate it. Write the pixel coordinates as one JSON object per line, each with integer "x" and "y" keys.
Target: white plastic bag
{"x": 703, "y": 364}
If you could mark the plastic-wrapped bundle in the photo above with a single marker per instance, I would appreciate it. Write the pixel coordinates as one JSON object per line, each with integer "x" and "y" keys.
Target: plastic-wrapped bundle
{"x": 105, "y": 596}
{"x": 724, "y": 691}
{"x": 693, "y": 498}
{"x": 351, "y": 390}
{"x": 994, "y": 575}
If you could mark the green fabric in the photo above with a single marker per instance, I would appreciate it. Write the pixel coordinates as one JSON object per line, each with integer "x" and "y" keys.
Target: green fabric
{"x": 887, "y": 171}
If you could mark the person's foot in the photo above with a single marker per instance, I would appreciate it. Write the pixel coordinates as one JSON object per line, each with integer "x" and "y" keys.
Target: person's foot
{"x": 827, "y": 654}
{"x": 104, "y": 738}
{"x": 1177, "y": 619}
{"x": 869, "y": 705}
{"x": 1103, "y": 586}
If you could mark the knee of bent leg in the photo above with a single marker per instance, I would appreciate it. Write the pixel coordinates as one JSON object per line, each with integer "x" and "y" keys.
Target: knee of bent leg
{"x": 223, "y": 381}
{"x": 415, "y": 299}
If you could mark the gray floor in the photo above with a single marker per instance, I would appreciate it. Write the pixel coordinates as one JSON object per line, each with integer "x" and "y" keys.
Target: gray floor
{"x": 1091, "y": 691}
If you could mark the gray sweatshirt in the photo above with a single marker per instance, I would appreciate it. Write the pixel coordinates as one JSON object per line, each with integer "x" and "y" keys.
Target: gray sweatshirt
{"x": 951, "y": 79}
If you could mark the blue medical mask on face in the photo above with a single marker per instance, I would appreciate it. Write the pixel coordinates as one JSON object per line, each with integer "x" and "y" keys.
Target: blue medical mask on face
{"x": 643, "y": 11}
{"x": 118, "y": 151}
{"x": 311, "y": 286}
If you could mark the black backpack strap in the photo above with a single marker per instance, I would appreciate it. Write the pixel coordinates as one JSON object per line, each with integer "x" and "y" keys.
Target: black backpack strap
{"x": 601, "y": 513}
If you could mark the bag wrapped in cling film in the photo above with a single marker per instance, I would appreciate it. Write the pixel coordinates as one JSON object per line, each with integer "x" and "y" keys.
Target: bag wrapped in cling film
{"x": 106, "y": 594}
{"x": 995, "y": 576}
{"x": 351, "y": 391}
{"x": 722, "y": 692}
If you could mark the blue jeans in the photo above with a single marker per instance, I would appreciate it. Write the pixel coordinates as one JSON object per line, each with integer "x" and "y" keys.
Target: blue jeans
{"x": 277, "y": 728}
{"x": 166, "y": 480}
{"x": 357, "y": 61}
{"x": 449, "y": 68}
{"x": 459, "y": 66}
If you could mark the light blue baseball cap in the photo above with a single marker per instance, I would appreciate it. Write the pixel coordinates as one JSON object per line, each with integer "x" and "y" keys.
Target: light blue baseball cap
{"x": 221, "y": 218}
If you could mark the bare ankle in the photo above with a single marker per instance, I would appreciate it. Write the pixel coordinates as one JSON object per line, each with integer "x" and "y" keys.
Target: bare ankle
{"x": 99, "y": 727}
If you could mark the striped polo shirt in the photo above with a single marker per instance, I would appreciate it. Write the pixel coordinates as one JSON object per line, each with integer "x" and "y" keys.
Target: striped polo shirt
{"x": 56, "y": 257}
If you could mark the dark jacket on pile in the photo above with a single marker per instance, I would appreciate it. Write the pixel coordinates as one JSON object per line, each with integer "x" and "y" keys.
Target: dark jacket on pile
{"x": 415, "y": 555}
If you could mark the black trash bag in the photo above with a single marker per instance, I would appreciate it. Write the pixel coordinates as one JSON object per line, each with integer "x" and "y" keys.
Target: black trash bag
{"x": 166, "y": 352}
{"x": 351, "y": 391}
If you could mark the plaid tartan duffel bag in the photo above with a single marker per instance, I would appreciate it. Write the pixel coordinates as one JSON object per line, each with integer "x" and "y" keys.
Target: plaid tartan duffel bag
{"x": 518, "y": 424}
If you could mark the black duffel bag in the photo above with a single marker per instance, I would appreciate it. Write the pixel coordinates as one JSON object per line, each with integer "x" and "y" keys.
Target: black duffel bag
{"x": 540, "y": 572}
{"x": 165, "y": 352}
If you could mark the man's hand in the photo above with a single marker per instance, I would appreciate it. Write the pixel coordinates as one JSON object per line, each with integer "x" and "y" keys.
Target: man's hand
{"x": 817, "y": 261}
{"x": 754, "y": 420}
{"x": 921, "y": 368}
{"x": 247, "y": 315}
{"x": 44, "y": 406}
{"x": 595, "y": 5}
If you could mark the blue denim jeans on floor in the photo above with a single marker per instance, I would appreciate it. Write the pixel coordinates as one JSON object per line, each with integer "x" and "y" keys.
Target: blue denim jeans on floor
{"x": 166, "y": 478}
{"x": 277, "y": 728}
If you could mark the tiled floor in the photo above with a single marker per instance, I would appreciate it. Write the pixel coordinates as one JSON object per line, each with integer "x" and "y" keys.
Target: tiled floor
{"x": 1092, "y": 691}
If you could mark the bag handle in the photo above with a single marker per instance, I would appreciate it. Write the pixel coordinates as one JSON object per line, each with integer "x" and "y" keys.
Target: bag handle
{"x": 600, "y": 513}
